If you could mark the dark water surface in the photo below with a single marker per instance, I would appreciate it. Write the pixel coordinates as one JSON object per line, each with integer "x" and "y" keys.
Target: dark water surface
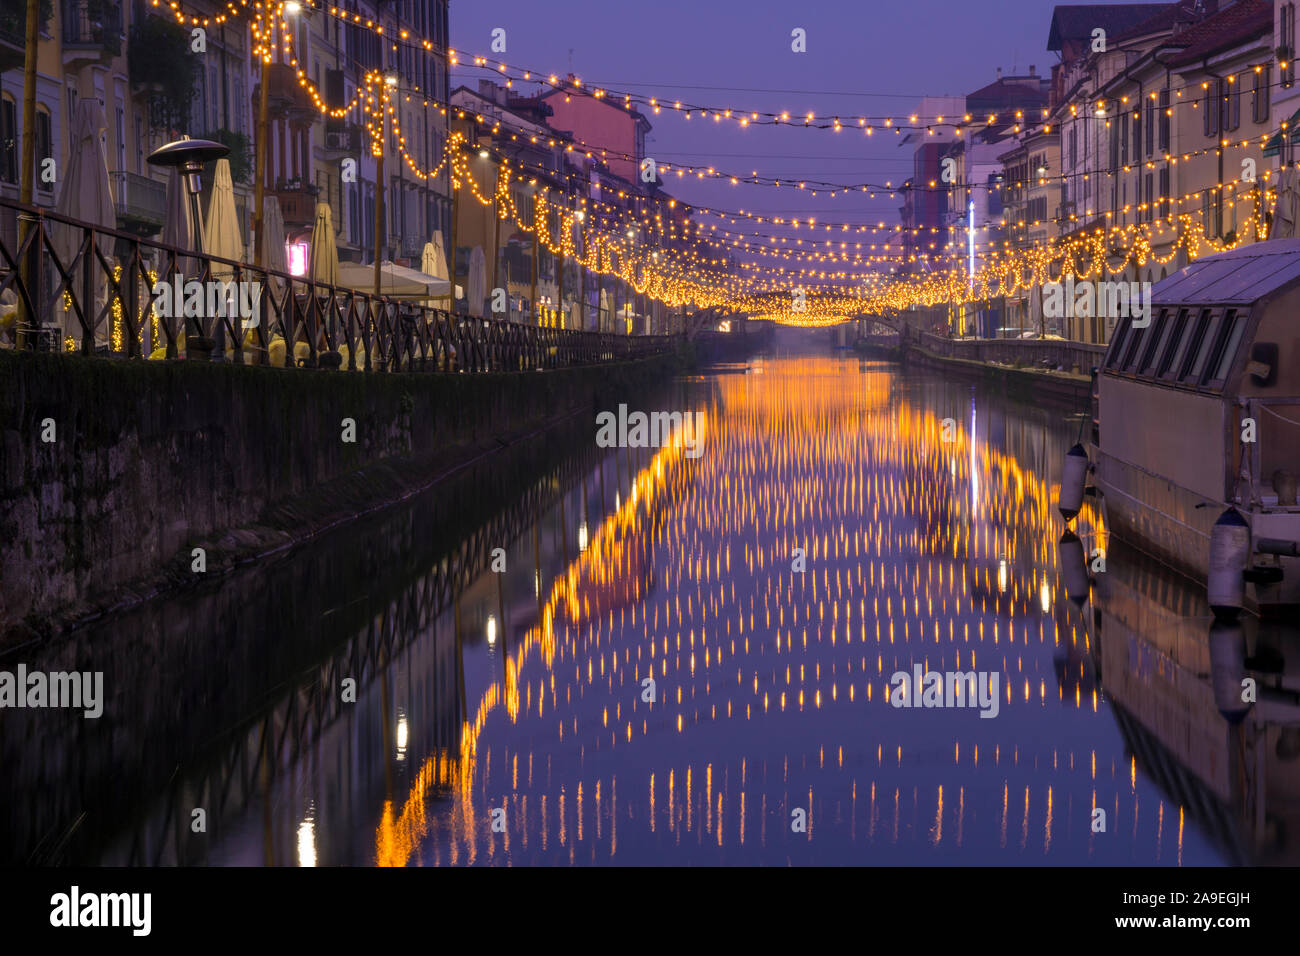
{"x": 503, "y": 718}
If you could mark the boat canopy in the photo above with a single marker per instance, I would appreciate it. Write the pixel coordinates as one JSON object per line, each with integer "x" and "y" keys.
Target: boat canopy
{"x": 1240, "y": 277}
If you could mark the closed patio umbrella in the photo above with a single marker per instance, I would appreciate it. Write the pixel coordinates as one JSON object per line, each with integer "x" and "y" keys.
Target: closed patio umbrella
{"x": 87, "y": 195}
{"x": 273, "y": 225}
{"x": 323, "y": 264}
{"x": 477, "y": 281}
{"x": 222, "y": 238}
{"x": 323, "y": 267}
{"x": 434, "y": 263}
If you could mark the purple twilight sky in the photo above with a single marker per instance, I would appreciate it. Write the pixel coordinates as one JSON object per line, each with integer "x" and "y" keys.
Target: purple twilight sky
{"x": 862, "y": 58}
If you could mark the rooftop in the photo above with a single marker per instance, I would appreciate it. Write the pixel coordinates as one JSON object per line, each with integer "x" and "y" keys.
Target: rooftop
{"x": 1077, "y": 21}
{"x": 1240, "y": 277}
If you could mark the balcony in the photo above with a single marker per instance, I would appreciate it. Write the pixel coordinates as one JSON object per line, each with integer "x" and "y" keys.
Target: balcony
{"x": 140, "y": 202}
{"x": 297, "y": 203}
{"x": 92, "y": 31}
{"x": 342, "y": 138}
{"x": 13, "y": 31}
{"x": 286, "y": 96}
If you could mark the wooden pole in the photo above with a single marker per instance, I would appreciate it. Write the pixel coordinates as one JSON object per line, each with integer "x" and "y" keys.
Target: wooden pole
{"x": 560, "y": 271}
{"x": 532, "y": 302}
{"x": 496, "y": 235}
{"x": 259, "y": 167}
{"x": 25, "y": 192}
{"x": 451, "y": 253}
{"x": 379, "y": 190}
{"x": 582, "y": 280}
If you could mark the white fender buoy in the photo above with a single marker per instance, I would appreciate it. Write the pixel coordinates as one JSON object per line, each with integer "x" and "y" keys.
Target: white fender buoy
{"x": 1074, "y": 567}
{"x": 1073, "y": 477}
{"x": 1228, "y": 669}
{"x": 1229, "y": 552}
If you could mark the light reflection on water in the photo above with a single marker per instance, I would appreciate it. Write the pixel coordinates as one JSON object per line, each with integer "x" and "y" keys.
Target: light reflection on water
{"x": 516, "y": 725}
{"x": 771, "y": 683}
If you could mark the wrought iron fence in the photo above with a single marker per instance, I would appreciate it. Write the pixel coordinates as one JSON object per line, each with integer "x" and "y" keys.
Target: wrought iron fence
{"x": 1037, "y": 353}
{"x": 69, "y": 285}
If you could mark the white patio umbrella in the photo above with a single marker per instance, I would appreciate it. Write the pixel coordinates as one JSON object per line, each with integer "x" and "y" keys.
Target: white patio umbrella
{"x": 434, "y": 263}
{"x": 221, "y": 236}
{"x": 87, "y": 195}
{"x": 323, "y": 266}
{"x": 477, "y": 281}
{"x": 273, "y": 225}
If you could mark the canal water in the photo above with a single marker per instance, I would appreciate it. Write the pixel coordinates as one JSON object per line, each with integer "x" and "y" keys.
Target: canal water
{"x": 584, "y": 655}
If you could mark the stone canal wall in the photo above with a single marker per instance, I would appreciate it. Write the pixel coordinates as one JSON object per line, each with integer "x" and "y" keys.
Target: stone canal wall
{"x": 111, "y": 473}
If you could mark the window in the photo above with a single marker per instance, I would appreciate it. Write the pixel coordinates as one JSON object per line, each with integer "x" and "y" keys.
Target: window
{"x": 241, "y": 107}
{"x": 1210, "y": 106}
{"x": 1286, "y": 36}
{"x": 1117, "y": 344}
{"x": 1233, "y": 104}
{"x": 1158, "y": 361}
{"x": 1199, "y": 351}
{"x": 1149, "y": 212}
{"x": 8, "y": 140}
{"x": 1124, "y": 124}
{"x": 44, "y": 148}
{"x": 1154, "y": 338}
{"x": 1164, "y": 193}
{"x": 1173, "y": 362}
{"x": 214, "y": 104}
{"x": 119, "y": 132}
{"x": 1235, "y": 324}
{"x": 1133, "y": 350}
{"x": 1259, "y": 96}
{"x": 1164, "y": 121}
{"x": 1151, "y": 122}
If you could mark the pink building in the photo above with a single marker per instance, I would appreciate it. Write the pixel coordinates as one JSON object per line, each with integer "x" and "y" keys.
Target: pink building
{"x": 611, "y": 131}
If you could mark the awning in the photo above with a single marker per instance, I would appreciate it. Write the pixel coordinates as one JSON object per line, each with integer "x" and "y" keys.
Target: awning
{"x": 396, "y": 281}
{"x": 1274, "y": 144}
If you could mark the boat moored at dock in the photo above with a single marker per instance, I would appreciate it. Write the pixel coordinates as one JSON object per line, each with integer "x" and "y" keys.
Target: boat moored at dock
{"x": 1196, "y": 417}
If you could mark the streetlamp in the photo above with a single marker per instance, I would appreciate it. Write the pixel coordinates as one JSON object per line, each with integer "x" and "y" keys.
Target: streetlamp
{"x": 187, "y": 156}
{"x": 390, "y": 83}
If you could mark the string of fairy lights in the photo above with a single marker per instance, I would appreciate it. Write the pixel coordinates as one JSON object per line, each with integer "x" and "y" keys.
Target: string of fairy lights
{"x": 696, "y": 262}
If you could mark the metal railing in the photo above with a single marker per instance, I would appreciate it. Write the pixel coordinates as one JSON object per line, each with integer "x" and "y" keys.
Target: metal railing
{"x": 1023, "y": 353}
{"x": 139, "y": 198}
{"x": 95, "y": 288}
{"x": 93, "y": 23}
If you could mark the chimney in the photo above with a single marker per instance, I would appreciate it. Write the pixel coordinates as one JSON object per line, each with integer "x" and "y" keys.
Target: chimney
{"x": 999, "y": 73}
{"x": 1033, "y": 70}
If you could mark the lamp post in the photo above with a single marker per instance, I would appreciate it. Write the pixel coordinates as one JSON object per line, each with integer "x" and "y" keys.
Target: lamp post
{"x": 187, "y": 156}
{"x": 390, "y": 83}
{"x": 25, "y": 193}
